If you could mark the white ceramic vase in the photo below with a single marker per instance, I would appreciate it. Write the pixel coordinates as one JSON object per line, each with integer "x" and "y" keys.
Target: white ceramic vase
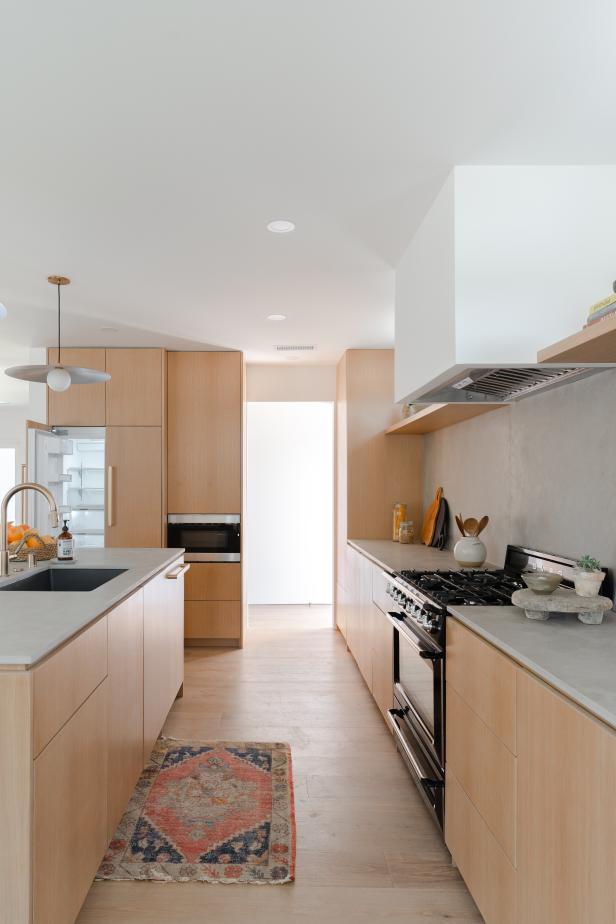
{"x": 587, "y": 583}
{"x": 469, "y": 552}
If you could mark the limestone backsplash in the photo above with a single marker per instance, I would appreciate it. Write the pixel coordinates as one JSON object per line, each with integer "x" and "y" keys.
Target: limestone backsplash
{"x": 544, "y": 470}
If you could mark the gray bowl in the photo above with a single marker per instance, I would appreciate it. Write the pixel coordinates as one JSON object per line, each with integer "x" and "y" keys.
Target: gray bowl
{"x": 542, "y": 582}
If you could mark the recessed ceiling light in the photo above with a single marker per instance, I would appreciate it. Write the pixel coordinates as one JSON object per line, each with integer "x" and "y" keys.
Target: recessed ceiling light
{"x": 3, "y": 311}
{"x": 281, "y": 226}
{"x": 109, "y": 330}
{"x": 276, "y": 317}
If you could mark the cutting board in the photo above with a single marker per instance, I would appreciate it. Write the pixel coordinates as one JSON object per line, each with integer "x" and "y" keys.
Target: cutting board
{"x": 429, "y": 523}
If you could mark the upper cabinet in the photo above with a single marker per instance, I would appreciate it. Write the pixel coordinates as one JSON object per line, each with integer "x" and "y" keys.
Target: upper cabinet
{"x": 79, "y": 405}
{"x": 135, "y": 393}
{"x": 204, "y": 454}
{"x": 134, "y": 397}
{"x": 507, "y": 260}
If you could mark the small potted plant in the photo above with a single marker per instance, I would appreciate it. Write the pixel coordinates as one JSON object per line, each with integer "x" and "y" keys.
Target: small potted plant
{"x": 588, "y": 576}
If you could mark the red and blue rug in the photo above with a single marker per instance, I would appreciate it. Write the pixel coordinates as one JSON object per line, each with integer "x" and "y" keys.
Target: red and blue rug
{"x": 211, "y": 811}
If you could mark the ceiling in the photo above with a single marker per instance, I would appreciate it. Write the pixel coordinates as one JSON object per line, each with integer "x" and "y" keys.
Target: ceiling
{"x": 145, "y": 146}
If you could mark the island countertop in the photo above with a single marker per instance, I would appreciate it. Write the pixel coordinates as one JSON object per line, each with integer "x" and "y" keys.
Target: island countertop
{"x": 35, "y": 623}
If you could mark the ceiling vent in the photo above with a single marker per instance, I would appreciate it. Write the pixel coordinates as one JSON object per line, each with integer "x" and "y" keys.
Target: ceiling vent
{"x": 290, "y": 348}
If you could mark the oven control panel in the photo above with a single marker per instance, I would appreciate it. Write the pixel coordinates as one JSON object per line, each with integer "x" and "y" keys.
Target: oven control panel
{"x": 414, "y": 605}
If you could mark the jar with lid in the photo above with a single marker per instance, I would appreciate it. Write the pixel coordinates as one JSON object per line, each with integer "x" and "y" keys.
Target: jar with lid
{"x": 398, "y": 517}
{"x": 407, "y": 532}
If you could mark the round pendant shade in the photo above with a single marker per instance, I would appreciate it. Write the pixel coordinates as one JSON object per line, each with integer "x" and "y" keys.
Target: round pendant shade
{"x": 79, "y": 375}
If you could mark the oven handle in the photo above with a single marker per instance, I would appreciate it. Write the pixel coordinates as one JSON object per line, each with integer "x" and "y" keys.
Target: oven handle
{"x": 426, "y": 653}
{"x": 426, "y": 781}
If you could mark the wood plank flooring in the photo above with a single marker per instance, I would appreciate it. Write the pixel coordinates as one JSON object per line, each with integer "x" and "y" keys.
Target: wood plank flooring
{"x": 367, "y": 849}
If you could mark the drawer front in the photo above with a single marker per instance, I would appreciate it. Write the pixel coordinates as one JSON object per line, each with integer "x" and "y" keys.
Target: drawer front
{"x": 485, "y": 769}
{"x": 489, "y": 875}
{"x": 379, "y": 596}
{"x": 66, "y": 679}
{"x": 484, "y": 678}
{"x": 213, "y": 581}
{"x": 209, "y": 620}
{"x": 70, "y": 812}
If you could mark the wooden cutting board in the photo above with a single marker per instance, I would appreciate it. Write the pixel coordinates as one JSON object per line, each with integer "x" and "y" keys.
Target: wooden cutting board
{"x": 429, "y": 523}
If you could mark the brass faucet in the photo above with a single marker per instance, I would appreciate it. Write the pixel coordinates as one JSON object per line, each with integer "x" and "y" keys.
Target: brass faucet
{"x": 26, "y": 486}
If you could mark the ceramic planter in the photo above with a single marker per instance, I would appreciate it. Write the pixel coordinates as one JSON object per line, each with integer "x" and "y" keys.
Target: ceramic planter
{"x": 587, "y": 583}
{"x": 469, "y": 552}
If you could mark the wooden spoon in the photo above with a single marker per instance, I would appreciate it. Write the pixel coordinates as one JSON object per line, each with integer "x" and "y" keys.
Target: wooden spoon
{"x": 460, "y": 523}
{"x": 470, "y": 525}
{"x": 483, "y": 522}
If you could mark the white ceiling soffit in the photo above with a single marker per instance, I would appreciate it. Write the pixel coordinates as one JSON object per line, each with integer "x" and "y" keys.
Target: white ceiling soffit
{"x": 146, "y": 146}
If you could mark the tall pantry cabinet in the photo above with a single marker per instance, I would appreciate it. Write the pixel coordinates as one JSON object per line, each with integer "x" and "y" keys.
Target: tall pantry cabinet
{"x": 205, "y": 400}
{"x": 131, "y": 406}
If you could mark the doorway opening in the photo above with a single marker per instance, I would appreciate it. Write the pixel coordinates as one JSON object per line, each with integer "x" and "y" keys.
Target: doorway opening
{"x": 290, "y": 502}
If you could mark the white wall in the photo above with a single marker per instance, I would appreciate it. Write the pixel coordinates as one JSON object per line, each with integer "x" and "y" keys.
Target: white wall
{"x": 288, "y": 535}
{"x": 531, "y": 248}
{"x": 290, "y": 383}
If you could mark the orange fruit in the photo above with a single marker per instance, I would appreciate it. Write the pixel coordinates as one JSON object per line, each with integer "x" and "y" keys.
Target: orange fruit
{"x": 34, "y": 543}
{"x": 15, "y": 533}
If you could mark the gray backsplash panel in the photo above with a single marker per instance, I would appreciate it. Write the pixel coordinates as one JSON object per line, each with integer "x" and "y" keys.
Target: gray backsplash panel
{"x": 543, "y": 469}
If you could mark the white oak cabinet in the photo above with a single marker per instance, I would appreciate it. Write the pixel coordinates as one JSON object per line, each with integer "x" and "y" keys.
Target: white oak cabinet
{"x": 77, "y": 730}
{"x": 368, "y": 632}
{"x": 163, "y": 650}
{"x": 530, "y": 818}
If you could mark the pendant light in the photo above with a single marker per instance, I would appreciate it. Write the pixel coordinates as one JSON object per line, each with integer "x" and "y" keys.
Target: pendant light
{"x": 58, "y": 376}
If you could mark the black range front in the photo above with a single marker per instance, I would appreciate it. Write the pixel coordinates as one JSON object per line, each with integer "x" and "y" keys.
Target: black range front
{"x": 418, "y": 716}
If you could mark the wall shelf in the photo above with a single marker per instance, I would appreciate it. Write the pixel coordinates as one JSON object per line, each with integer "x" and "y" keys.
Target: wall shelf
{"x": 437, "y": 416}
{"x": 594, "y": 344}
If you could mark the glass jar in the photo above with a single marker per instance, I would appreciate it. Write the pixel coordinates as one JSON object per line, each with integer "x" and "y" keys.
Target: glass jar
{"x": 399, "y": 516}
{"x": 407, "y": 532}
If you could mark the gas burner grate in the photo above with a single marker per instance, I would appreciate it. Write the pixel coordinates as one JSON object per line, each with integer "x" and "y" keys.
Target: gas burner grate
{"x": 464, "y": 588}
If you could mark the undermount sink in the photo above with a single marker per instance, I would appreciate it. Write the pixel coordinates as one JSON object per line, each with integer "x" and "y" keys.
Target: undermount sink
{"x": 63, "y": 579}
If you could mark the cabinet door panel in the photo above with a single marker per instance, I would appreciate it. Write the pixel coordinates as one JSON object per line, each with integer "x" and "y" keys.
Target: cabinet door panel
{"x": 70, "y": 812}
{"x": 204, "y": 393}
{"x": 135, "y": 393}
{"x": 489, "y": 875}
{"x": 134, "y": 510}
{"x": 125, "y": 683}
{"x": 214, "y": 581}
{"x": 382, "y": 660}
{"x": 566, "y": 817}
{"x": 163, "y": 651}
{"x": 212, "y": 620}
{"x": 79, "y": 405}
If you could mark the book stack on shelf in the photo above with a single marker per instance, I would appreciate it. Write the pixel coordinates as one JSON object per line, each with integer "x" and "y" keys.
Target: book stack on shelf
{"x": 603, "y": 309}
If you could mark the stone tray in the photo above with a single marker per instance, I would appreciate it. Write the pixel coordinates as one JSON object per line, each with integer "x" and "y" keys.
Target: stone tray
{"x": 589, "y": 610}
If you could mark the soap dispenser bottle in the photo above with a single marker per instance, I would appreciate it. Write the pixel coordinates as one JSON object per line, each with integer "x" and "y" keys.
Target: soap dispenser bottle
{"x": 66, "y": 544}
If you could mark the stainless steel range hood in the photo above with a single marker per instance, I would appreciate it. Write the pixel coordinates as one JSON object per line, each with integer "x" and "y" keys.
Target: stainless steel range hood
{"x": 501, "y": 384}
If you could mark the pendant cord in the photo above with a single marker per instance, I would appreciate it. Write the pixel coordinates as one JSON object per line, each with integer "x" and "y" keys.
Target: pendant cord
{"x": 58, "y": 324}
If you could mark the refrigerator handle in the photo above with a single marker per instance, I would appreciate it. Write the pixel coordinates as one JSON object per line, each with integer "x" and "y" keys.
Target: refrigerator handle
{"x": 110, "y": 495}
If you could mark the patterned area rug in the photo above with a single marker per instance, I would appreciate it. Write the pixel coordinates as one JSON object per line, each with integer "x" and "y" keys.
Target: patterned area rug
{"x": 211, "y": 811}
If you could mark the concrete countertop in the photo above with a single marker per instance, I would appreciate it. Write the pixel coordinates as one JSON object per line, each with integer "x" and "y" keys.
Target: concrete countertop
{"x": 392, "y": 556}
{"x": 575, "y": 659}
{"x": 35, "y": 623}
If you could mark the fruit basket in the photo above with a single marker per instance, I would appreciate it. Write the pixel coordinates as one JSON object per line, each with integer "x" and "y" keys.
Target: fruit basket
{"x": 44, "y": 547}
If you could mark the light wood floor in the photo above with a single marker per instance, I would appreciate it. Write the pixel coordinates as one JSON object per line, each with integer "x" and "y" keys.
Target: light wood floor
{"x": 367, "y": 849}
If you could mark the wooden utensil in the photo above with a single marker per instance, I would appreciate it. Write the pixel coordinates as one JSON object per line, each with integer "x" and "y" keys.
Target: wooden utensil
{"x": 483, "y": 522}
{"x": 429, "y": 524}
{"x": 470, "y": 525}
{"x": 460, "y": 523}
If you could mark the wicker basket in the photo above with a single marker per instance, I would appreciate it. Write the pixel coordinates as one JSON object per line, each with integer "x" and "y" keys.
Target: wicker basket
{"x": 19, "y": 551}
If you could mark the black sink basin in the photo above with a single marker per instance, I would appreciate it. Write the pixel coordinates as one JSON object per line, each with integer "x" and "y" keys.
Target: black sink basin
{"x": 63, "y": 579}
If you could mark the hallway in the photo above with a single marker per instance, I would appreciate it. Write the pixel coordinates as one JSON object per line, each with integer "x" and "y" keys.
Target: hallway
{"x": 366, "y": 847}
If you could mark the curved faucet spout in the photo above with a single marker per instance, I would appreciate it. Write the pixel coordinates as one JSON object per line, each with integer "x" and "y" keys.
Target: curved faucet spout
{"x": 4, "y": 542}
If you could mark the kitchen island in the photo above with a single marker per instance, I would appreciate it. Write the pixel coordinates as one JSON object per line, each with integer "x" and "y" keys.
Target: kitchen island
{"x": 86, "y": 681}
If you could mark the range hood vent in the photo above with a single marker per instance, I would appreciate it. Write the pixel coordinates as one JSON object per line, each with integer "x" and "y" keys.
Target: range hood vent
{"x": 504, "y": 384}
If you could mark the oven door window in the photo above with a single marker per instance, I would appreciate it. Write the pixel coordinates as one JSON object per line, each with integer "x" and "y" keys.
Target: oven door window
{"x": 416, "y": 678}
{"x": 201, "y": 538}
